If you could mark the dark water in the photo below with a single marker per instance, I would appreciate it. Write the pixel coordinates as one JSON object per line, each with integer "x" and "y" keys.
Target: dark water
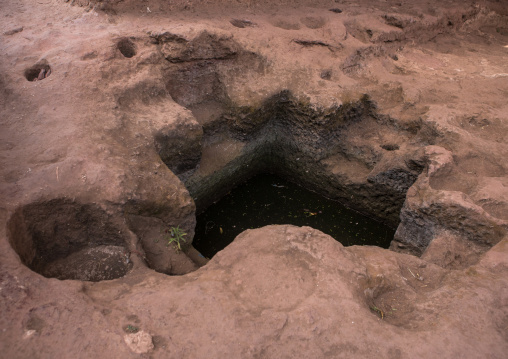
{"x": 268, "y": 199}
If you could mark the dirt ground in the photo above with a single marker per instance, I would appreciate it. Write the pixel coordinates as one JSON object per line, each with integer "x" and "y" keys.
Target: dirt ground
{"x": 106, "y": 105}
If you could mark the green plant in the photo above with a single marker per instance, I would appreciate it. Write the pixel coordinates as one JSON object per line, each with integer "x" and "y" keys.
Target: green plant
{"x": 378, "y": 311}
{"x": 131, "y": 328}
{"x": 175, "y": 235}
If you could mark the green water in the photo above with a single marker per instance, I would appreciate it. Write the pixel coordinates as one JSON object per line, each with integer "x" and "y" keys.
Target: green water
{"x": 268, "y": 199}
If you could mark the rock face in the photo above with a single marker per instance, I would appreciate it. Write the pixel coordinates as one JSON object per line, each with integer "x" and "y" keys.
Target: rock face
{"x": 179, "y": 145}
{"x": 310, "y": 146}
{"x": 278, "y": 291}
{"x": 139, "y": 343}
{"x": 112, "y": 140}
{"x": 428, "y": 212}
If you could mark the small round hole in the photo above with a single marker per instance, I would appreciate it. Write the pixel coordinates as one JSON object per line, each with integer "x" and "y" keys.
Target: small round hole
{"x": 38, "y": 72}
{"x": 126, "y": 47}
{"x": 390, "y": 147}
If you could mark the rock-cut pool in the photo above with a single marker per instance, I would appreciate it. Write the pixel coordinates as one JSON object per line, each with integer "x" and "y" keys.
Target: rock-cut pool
{"x": 268, "y": 199}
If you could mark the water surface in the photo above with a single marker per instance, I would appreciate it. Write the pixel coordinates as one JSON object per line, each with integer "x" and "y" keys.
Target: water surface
{"x": 268, "y": 199}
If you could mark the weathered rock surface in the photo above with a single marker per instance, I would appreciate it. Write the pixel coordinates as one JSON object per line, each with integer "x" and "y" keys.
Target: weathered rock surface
{"x": 120, "y": 119}
{"x": 278, "y": 291}
{"x": 140, "y": 342}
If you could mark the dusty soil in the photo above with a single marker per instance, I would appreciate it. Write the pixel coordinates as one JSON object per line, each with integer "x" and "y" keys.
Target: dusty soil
{"x": 119, "y": 118}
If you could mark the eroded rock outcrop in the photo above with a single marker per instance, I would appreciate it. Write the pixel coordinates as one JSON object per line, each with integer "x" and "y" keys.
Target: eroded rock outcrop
{"x": 427, "y": 213}
{"x": 276, "y": 291}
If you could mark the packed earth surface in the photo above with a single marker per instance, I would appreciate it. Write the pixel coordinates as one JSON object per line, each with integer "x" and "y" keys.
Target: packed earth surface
{"x": 122, "y": 120}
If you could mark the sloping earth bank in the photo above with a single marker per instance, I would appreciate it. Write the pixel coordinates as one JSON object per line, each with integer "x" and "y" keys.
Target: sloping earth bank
{"x": 120, "y": 118}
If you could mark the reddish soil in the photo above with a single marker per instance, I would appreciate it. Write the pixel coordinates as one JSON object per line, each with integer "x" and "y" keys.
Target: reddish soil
{"x": 101, "y": 123}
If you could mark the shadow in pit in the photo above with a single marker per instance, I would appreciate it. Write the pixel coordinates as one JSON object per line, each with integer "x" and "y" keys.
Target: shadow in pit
{"x": 64, "y": 239}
